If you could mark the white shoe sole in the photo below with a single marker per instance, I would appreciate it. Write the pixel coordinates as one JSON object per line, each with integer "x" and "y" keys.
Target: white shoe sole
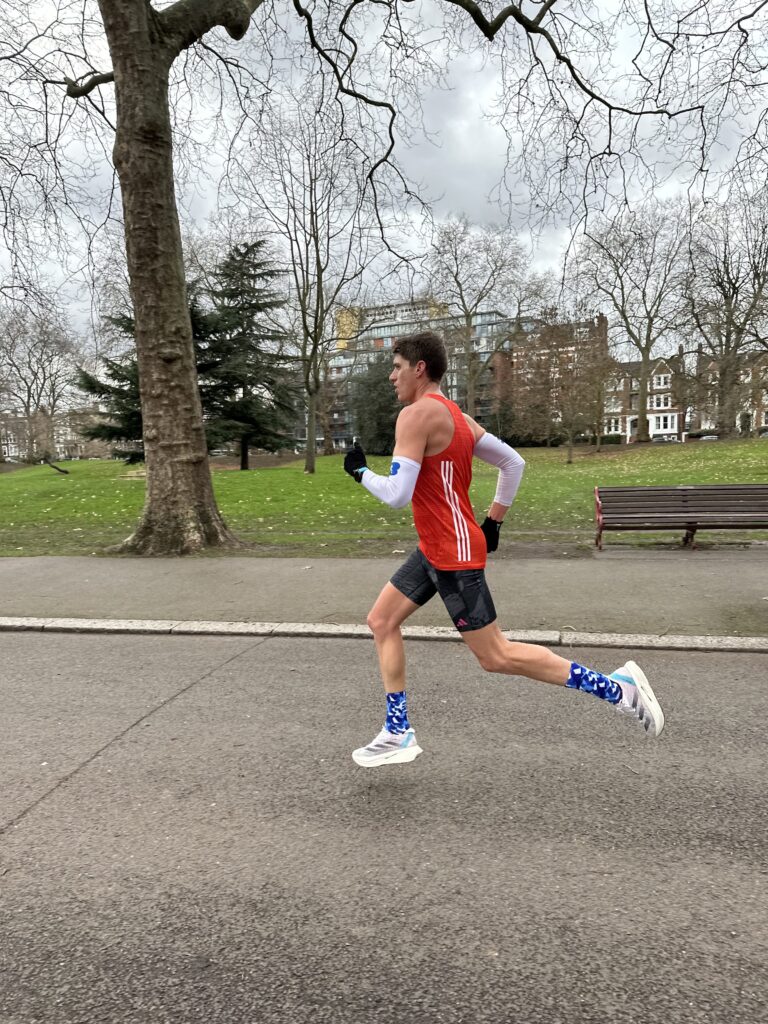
{"x": 392, "y": 757}
{"x": 650, "y": 703}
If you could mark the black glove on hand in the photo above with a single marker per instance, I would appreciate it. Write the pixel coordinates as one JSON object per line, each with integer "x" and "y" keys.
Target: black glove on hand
{"x": 354, "y": 462}
{"x": 491, "y": 529}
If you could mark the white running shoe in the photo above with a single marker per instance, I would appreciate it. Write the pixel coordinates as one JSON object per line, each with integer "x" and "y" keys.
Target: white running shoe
{"x": 638, "y": 699}
{"x": 388, "y": 748}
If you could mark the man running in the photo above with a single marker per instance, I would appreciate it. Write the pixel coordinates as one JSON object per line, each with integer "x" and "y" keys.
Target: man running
{"x": 432, "y": 468}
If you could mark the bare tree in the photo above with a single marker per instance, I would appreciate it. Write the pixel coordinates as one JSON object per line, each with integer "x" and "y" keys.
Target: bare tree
{"x": 635, "y": 264}
{"x": 726, "y": 293}
{"x": 307, "y": 183}
{"x": 472, "y": 269}
{"x": 583, "y": 371}
{"x": 37, "y": 370}
{"x": 524, "y": 390}
{"x": 551, "y": 385}
{"x": 56, "y": 72}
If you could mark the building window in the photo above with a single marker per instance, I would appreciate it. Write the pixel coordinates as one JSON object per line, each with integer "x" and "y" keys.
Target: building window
{"x": 661, "y": 380}
{"x": 657, "y": 420}
{"x": 613, "y": 426}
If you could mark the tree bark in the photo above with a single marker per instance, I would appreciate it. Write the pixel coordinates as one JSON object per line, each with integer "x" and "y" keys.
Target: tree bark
{"x": 471, "y": 381}
{"x": 244, "y": 460}
{"x": 728, "y": 394}
{"x": 325, "y": 401}
{"x": 309, "y": 461}
{"x": 180, "y": 515}
{"x": 642, "y": 400}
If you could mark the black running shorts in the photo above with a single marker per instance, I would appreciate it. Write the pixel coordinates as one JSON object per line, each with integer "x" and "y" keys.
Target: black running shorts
{"x": 464, "y": 591}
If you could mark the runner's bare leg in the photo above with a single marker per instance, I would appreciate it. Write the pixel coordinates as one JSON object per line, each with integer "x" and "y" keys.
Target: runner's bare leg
{"x": 389, "y": 612}
{"x": 497, "y": 654}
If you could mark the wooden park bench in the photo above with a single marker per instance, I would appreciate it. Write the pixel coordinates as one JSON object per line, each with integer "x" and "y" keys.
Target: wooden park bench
{"x": 688, "y": 507}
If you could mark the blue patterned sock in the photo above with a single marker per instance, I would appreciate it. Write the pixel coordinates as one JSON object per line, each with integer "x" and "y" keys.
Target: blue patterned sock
{"x": 397, "y": 713}
{"x": 589, "y": 681}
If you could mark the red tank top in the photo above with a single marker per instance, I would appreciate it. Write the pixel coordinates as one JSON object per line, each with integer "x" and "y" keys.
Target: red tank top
{"x": 449, "y": 536}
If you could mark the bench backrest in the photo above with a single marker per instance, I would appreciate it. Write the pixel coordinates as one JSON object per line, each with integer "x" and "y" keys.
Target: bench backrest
{"x": 691, "y": 498}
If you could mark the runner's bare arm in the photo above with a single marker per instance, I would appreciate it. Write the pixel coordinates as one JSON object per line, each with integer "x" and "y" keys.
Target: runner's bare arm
{"x": 411, "y": 433}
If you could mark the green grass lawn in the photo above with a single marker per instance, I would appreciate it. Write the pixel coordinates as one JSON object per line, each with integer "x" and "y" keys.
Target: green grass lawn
{"x": 285, "y": 512}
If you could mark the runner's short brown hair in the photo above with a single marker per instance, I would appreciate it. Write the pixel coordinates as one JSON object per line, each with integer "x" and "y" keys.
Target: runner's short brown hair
{"x": 427, "y": 346}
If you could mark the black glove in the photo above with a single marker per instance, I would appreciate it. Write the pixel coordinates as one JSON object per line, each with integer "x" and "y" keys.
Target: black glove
{"x": 354, "y": 462}
{"x": 491, "y": 529}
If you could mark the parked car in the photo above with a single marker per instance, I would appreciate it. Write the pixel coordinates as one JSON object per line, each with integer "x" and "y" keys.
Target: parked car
{"x": 710, "y": 437}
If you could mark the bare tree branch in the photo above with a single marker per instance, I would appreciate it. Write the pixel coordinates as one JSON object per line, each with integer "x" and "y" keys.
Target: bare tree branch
{"x": 77, "y": 89}
{"x": 187, "y": 21}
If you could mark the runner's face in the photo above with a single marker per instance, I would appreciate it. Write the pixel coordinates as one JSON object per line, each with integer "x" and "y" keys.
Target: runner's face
{"x": 405, "y": 378}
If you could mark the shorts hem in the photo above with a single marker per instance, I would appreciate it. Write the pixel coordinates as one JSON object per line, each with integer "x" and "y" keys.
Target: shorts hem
{"x": 474, "y": 629}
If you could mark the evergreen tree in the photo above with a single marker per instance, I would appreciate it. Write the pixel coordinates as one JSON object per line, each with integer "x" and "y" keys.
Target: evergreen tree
{"x": 375, "y": 407}
{"x": 247, "y": 389}
{"x": 119, "y": 391}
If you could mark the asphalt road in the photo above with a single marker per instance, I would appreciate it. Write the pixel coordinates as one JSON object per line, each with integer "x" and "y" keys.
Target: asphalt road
{"x": 185, "y": 839}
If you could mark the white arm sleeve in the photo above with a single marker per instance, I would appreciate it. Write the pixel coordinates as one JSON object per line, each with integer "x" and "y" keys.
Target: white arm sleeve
{"x": 397, "y": 488}
{"x": 490, "y": 449}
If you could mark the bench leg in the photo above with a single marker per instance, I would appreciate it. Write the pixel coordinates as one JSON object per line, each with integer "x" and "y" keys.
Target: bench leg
{"x": 599, "y": 539}
{"x": 688, "y": 540}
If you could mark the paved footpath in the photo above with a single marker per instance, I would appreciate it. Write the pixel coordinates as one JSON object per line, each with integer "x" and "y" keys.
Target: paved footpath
{"x": 184, "y": 839}
{"x": 710, "y": 592}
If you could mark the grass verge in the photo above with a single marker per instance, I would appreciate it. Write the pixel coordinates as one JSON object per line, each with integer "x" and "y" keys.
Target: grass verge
{"x": 285, "y": 512}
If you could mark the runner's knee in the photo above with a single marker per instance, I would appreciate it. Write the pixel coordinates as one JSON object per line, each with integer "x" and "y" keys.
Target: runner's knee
{"x": 494, "y": 660}
{"x": 379, "y": 623}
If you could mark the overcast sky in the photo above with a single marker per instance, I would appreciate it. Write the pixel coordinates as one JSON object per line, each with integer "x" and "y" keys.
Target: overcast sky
{"x": 458, "y": 172}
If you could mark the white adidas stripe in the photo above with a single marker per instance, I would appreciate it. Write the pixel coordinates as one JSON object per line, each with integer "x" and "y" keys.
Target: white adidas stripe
{"x": 444, "y": 470}
{"x": 459, "y": 522}
{"x": 462, "y": 520}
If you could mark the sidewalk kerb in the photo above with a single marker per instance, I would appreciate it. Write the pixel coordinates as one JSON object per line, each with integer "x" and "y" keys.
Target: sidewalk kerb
{"x": 11, "y": 623}
{"x": 349, "y": 631}
{"x": 202, "y": 627}
{"x": 645, "y": 641}
{"x": 109, "y": 625}
{"x": 338, "y": 630}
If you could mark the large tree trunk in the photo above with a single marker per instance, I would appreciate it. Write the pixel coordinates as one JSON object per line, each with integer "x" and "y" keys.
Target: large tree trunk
{"x": 643, "y": 433}
{"x": 309, "y": 461}
{"x": 29, "y": 439}
{"x": 244, "y": 449}
{"x": 325, "y": 401}
{"x": 569, "y": 458}
{"x": 180, "y": 514}
{"x": 728, "y": 395}
{"x": 472, "y": 375}
{"x": 470, "y": 369}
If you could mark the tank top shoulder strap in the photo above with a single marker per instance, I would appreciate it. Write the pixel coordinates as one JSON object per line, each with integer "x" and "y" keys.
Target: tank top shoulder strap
{"x": 455, "y": 411}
